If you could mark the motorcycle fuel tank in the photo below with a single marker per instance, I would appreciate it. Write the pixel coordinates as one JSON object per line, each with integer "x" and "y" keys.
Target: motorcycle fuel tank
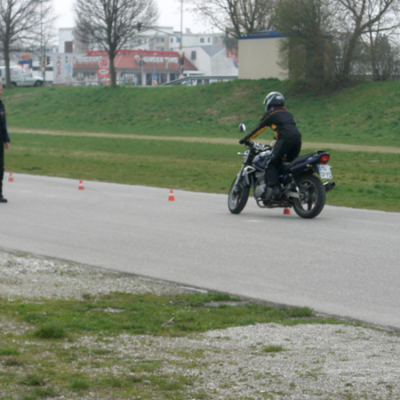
{"x": 259, "y": 160}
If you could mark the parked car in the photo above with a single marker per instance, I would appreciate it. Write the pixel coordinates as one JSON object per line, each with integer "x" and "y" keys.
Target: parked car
{"x": 20, "y": 77}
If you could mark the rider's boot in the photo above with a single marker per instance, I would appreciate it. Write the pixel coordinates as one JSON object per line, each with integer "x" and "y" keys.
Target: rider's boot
{"x": 271, "y": 192}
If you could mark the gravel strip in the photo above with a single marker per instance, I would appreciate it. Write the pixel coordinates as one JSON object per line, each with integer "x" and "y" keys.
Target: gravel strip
{"x": 255, "y": 362}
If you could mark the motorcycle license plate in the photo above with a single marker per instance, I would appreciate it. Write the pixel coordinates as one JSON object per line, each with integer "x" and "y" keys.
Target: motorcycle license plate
{"x": 325, "y": 171}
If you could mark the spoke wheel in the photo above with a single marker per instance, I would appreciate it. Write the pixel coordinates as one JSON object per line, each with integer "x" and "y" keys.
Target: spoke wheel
{"x": 237, "y": 198}
{"x": 312, "y": 197}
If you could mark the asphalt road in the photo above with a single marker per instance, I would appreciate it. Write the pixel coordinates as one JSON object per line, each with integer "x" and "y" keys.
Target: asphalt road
{"x": 344, "y": 262}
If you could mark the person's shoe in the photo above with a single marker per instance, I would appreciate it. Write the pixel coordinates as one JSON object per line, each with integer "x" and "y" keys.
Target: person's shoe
{"x": 2, "y": 199}
{"x": 271, "y": 192}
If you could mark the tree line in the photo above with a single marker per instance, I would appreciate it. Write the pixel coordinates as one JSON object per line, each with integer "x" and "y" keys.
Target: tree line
{"x": 328, "y": 42}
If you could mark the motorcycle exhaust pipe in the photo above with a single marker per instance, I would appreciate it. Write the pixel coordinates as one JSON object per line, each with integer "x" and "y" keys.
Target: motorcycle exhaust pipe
{"x": 329, "y": 186}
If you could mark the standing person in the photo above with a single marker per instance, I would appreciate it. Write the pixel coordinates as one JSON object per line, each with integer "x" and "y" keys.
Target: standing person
{"x": 4, "y": 143}
{"x": 287, "y": 136}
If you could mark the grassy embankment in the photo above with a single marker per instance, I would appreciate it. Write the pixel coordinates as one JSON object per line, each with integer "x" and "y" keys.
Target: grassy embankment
{"x": 365, "y": 115}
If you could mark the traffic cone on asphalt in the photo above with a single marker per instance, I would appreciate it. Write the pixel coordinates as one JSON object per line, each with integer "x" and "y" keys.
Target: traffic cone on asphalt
{"x": 11, "y": 179}
{"x": 286, "y": 211}
{"x": 81, "y": 185}
{"x": 171, "y": 196}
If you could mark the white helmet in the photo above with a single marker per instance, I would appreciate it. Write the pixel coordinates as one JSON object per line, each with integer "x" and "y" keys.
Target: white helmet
{"x": 273, "y": 99}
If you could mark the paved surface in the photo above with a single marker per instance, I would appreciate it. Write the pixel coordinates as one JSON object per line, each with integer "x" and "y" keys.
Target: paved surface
{"x": 345, "y": 262}
{"x": 233, "y": 141}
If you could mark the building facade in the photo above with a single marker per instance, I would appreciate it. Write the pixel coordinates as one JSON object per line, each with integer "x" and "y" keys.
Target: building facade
{"x": 259, "y": 56}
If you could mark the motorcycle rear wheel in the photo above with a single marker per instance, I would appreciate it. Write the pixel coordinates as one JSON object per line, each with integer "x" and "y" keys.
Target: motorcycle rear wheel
{"x": 237, "y": 198}
{"x": 312, "y": 197}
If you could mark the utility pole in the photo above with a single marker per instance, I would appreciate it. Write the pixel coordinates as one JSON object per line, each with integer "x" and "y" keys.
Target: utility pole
{"x": 42, "y": 45}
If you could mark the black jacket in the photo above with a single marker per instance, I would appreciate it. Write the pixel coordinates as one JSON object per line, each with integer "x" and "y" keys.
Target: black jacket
{"x": 3, "y": 125}
{"x": 278, "y": 119}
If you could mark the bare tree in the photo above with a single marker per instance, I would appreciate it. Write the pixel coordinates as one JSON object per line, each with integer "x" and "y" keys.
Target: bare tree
{"x": 359, "y": 17}
{"x": 381, "y": 45}
{"x": 383, "y": 57}
{"x": 20, "y": 26}
{"x": 240, "y": 17}
{"x": 111, "y": 23}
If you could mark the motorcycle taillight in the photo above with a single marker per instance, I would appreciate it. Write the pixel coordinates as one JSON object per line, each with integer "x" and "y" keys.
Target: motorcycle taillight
{"x": 324, "y": 159}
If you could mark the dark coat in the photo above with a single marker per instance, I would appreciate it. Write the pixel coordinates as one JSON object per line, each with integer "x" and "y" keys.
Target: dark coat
{"x": 4, "y": 137}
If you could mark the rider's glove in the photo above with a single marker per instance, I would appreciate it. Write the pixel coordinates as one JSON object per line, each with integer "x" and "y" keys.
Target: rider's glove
{"x": 242, "y": 141}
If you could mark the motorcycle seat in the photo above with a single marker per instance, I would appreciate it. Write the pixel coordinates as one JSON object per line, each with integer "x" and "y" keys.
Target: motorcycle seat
{"x": 287, "y": 165}
{"x": 301, "y": 159}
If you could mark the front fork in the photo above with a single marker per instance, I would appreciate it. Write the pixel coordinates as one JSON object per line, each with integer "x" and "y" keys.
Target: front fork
{"x": 239, "y": 175}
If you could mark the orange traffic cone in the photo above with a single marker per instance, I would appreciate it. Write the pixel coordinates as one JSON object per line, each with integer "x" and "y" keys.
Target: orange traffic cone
{"x": 81, "y": 185}
{"x": 171, "y": 196}
{"x": 286, "y": 211}
{"x": 11, "y": 179}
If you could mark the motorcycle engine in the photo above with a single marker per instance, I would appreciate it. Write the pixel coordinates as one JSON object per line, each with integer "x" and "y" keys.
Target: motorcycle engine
{"x": 260, "y": 186}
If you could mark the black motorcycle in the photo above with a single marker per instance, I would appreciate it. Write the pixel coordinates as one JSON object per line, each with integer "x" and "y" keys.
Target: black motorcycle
{"x": 301, "y": 187}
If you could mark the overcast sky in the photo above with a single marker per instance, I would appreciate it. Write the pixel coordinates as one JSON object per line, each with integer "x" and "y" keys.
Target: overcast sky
{"x": 169, "y": 10}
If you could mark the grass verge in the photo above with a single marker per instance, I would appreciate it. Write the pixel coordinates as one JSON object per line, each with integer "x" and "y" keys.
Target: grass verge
{"x": 91, "y": 357}
{"x": 364, "y": 180}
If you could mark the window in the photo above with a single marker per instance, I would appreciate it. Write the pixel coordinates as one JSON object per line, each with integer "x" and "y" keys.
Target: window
{"x": 215, "y": 40}
{"x": 68, "y": 46}
{"x": 172, "y": 40}
{"x": 208, "y": 40}
{"x": 202, "y": 40}
{"x": 160, "y": 40}
{"x": 193, "y": 55}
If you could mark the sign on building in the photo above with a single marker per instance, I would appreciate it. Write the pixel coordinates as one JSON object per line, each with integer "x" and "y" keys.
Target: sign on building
{"x": 62, "y": 68}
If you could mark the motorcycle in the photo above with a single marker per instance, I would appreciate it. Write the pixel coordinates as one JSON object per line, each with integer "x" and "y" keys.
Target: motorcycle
{"x": 301, "y": 187}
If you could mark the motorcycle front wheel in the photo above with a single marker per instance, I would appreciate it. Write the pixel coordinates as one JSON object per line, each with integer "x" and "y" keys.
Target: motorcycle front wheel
{"x": 312, "y": 197}
{"x": 237, "y": 198}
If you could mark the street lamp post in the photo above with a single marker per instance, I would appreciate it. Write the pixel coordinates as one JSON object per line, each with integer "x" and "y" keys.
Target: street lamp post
{"x": 154, "y": 69}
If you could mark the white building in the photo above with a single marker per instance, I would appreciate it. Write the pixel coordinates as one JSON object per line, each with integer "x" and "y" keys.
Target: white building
{"x": 68, "y": 41}
{"x": 195, "y": 39}
{"x": 212, "y": 60}
{"x": 160, "y": 38}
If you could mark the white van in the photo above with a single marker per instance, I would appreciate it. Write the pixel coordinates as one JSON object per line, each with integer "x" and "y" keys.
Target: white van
{"x": 20, "y": 77}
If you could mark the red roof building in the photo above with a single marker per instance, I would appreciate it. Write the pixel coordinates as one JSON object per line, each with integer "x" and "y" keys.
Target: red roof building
{"x": 136, "y": 67}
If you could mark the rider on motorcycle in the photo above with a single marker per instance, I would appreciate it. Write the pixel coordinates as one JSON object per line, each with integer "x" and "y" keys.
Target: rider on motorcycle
{"x": 287, "y": 136}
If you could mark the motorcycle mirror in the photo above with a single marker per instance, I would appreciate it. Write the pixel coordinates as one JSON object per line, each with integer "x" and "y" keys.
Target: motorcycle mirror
{"x": 242, "y": 128}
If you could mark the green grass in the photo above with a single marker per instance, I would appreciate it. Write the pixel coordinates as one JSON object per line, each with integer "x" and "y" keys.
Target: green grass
{"x": 143, "y": 314}
{"x": 88, "y": 361}
{"x": 366, "y": 114}
{"x": 273, "y": 349}
{"x": 364, "y": 180}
